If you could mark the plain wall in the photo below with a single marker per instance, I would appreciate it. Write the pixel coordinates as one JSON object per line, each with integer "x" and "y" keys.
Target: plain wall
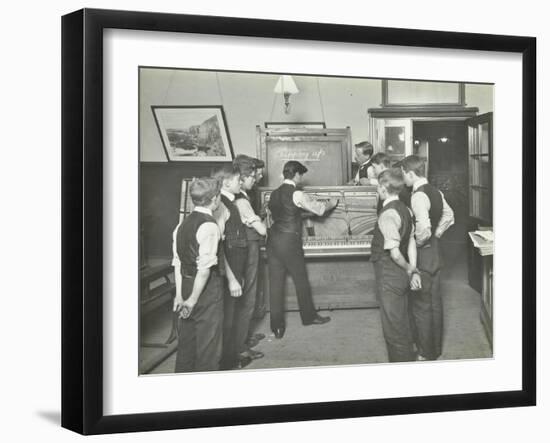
{"x": 248, "y": 100}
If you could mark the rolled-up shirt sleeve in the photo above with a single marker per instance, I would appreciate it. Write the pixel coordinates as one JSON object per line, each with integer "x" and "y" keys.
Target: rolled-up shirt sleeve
{"x": 304, "y": 201}
{"x": 420, "y": 204}
{"x": 447, "y": 218}
{"x": 175, "y": 258}
{"x": 389, "y": 224}
{"x": 246, "y": 212}
{"x": 208, "y": 237}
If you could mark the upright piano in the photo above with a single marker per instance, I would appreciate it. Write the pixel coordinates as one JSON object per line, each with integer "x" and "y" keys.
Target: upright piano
{"x": 336, "y": 248}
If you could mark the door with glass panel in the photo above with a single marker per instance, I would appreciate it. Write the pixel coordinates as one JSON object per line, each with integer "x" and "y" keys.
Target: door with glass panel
{"x": 480, "y": 150}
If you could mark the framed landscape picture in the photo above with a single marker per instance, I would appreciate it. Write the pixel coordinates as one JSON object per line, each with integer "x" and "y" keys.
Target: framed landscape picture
{"x": 193, "y": 133}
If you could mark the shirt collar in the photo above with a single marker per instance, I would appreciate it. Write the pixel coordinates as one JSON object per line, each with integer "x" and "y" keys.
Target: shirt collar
{"x": 228, "y": 194}
{"x": 243, "y": 192}
{"x": 390, "y": 199}
{"x": 289, "y": 182}
{"x": 364, "y": 163}
{"x": 420, "y": 182}
{"x": 202, "y": 210}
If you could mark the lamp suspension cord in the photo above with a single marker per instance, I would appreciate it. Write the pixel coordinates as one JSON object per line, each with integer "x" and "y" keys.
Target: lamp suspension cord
{"x": 168, "y": 87}
{"x": 272, "y": 107}
{"x": 321, "y": 101}
{"x": 219, "y": 88}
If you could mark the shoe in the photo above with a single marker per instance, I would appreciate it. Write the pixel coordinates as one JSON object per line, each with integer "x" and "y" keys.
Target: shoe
{"x": 253, "y": 355}
{"x": 279, "y": 332}
{"x": 318, "y": 320}
{"x": 243, "y": 362}
{"x": 254, "y": 339}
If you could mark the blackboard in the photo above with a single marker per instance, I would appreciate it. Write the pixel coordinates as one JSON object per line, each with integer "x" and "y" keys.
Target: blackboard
{"x": 326, "y": 155}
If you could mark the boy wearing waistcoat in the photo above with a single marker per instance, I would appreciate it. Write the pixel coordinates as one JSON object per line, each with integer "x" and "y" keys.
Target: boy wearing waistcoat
{"x": 198, "y": 283}
{"x": 362, "y": 170}
{"x": 394, "y": 260}
{"x": 235, "y": 249}
{"x": 285, "y": 253}
{"x": 433, "y": 217}
{"x": 255, "y": 234}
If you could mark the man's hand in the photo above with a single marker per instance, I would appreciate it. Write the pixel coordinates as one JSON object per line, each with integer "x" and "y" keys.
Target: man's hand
{"x": 235, "y": 288}
{"x": 364, "y": 181}
{"x": 416, "y": 281}
{"x": 178, "y": 303}
{"x": 187, "y": 307}
{"x": 331, "y": 204}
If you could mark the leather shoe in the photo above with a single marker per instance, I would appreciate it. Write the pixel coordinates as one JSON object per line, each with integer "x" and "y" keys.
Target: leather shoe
{"x": 318, "y": 320}
{"x": 254, "y": 339}
{"x": 253, "y": 355}
{"x": 279, "y": 332}
{"x": 243, "y": 362}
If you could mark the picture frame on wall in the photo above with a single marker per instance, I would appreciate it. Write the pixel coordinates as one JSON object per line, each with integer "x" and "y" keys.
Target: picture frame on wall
{"x": 102, "y": 50}
{"x": 193, "y": 133}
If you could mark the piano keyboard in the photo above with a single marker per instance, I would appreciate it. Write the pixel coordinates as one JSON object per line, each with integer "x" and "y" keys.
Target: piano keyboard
{"x": 342, "y": 247}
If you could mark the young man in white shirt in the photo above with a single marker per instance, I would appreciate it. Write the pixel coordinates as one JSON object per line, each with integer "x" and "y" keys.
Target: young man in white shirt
{"x": 199, "y": 290}
{"x": 394, "y": 260}
{"x": 285, "y": 252}
{"x": 255, "y": 233}
{"x": 433, "y": 216}
{"x": 362, "y": 171}
{"x": 235, "y": 248}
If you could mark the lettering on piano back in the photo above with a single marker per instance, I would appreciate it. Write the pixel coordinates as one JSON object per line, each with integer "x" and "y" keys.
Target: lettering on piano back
{"x": 326, "y": 155}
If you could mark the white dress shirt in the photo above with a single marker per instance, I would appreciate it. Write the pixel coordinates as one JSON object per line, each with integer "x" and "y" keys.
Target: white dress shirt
{"x": 304, "y": 201}
{"x": 420, "y": 204}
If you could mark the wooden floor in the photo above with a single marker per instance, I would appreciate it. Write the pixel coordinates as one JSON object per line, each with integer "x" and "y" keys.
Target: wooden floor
{"x": 354, "y": 336}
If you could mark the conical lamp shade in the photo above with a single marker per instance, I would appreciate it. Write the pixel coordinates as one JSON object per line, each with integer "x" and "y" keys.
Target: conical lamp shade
{"x": 286, "y": 85}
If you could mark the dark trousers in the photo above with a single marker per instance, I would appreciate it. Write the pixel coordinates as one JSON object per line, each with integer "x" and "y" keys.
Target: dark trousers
{"x": 236, "y": 258}
{"x": 200, "y": 335}
{"x": 392, "y": 287}
{"x": 286, "y": 255}
{"x": 244, "y": 306}
{"x": 426, "y": 311}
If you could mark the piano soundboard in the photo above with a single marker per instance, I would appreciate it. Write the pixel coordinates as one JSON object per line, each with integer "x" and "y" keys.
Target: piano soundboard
{"x": 347, "y": 230}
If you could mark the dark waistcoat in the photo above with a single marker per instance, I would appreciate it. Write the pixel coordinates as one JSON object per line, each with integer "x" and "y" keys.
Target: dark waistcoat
{"x": 187, "y": 245}
{"x": 287, "y": 217}
{"x": 377, "y": 247}
{"x": 235, "y": 230}
{"x": 436, "y": 204}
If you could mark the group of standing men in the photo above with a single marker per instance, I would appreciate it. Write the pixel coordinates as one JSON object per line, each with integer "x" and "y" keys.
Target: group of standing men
{"x": 217, "y": 251}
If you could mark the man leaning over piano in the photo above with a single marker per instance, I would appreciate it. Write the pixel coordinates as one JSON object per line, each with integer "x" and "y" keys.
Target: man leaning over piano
{"x": 285, "y": 253}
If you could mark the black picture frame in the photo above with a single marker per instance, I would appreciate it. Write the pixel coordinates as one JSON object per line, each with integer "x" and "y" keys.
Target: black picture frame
{"x": 82, "y": 218}
{"x": 216, "y": 111}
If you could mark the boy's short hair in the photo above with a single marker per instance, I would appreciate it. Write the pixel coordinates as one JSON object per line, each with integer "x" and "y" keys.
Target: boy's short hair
{"x": 414, "y": 163}
{"x": 225, "y": 172}
{"x": 392, "y": 180}
{"x": 203, "y": 190}
{"x": 365, "y": 147}
{"x": 257, "y": 163}
{"x": 381, "y": 158}
{"x": 292, "y": 167}
{"x": 246, "y": 165}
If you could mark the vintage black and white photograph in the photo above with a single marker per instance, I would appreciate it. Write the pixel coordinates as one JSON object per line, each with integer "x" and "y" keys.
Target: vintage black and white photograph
{"x": 294, "y": 221}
